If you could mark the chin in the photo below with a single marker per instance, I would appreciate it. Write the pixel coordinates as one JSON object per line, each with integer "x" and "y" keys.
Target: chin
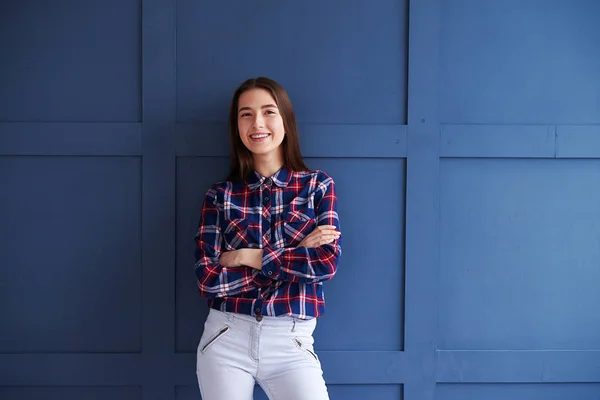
{"x": 263, "y": 149}
{"x": 261, "y": 152}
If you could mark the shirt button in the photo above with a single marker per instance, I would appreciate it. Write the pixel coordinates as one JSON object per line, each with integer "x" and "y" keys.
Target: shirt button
{"x": 259, "y": 318}
{"x": 266, "y": 199}
{"x": 257, "y": 309}
{"x": 268, "y": 181}
{"x": 270, "y": 273}
{"x": 268, "y": 237}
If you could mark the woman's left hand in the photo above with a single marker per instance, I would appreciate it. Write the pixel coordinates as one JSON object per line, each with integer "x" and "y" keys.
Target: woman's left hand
{"x": 242, "y": 257}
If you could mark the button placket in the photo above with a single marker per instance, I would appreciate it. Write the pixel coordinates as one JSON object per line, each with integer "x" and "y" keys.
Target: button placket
{"x": 266, "y": 214}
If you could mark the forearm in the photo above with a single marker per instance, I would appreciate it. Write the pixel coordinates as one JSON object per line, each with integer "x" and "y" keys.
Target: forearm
{"x": 216, "y": 280}
{"x": 297, "y": 264}
{"x": 302, "y": 264}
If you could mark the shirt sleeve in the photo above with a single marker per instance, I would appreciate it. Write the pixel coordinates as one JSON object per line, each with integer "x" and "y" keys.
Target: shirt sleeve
{"x": 215, "y": 280}
{"x": 309, "y": 265}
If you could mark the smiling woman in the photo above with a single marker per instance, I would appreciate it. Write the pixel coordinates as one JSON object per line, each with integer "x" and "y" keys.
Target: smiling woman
{"x": 261, "y": 127}
{"x": 267, "y": 239}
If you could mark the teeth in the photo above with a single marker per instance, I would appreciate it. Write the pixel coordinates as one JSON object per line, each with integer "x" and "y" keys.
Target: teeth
{"x": 262, "y": 135}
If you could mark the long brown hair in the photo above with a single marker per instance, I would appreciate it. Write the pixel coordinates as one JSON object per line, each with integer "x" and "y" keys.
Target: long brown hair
{"x": 241, "y": 163}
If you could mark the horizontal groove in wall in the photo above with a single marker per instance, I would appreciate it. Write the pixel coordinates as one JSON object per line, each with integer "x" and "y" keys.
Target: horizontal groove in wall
{"x": 519, "y": 141}
{"x": 72, "y": 369}
{"x": 505, "y": 366}
{"x": 71, "y": 139}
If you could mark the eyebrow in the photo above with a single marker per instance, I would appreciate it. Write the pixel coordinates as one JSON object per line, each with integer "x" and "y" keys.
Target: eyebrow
{"x": 265, "y": 106}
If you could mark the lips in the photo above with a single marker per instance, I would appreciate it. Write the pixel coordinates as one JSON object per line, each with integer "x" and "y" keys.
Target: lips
{"x": 259, "y": 137}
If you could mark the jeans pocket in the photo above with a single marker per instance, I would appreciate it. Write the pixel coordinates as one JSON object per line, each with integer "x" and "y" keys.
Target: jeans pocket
{"x": 205, "y": 344}
{"x": 306, "y": 348}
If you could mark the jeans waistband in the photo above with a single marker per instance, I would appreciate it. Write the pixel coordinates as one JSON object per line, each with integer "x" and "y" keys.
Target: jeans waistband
{"x": 287, "y": 323}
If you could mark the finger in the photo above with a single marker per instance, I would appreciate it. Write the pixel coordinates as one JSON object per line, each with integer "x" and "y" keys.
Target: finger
{"x": 332, "y": 236}
{"x": 329, "y": 232}
{"x": 328, "y": 239}
{"x": 327, "y": 227}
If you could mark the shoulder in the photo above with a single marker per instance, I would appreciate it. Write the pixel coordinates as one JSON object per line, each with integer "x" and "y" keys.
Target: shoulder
{"x": 319, "y": 181}
{"x": 218, "y": 190}
{"x": 225, "y": 185}
{"x": 317, "y": 176}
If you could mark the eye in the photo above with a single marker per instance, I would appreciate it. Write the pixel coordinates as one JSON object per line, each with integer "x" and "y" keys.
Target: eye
{"x": 271, "y": 112}
{"x": 246, "y": 114}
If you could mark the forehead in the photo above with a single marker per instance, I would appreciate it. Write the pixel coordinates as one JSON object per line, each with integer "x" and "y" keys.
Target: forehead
{"x": 255, "y": 98}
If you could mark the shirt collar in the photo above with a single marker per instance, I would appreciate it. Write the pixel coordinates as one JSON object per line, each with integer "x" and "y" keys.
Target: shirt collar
{"x": 280, "y": 178}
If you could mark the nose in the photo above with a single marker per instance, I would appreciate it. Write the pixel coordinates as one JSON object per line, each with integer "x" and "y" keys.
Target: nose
{"x": 259, "y": 121}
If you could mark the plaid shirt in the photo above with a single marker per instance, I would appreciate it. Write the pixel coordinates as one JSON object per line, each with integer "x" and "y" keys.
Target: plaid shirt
{"x": 273, "y": 214}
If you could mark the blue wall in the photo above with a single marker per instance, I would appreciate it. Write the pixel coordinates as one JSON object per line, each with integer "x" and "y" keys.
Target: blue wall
{"x": 465, "y": 143}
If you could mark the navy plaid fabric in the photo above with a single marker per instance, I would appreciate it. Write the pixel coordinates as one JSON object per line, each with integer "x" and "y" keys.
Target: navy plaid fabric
{"x": 273, "y": 214}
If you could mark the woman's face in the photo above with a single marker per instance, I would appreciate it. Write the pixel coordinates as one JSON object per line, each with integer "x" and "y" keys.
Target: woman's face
{"x": 259, "y": 122}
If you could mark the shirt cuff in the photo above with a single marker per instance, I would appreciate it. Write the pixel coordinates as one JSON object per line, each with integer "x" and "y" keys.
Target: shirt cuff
{"x": 271, "y": 263}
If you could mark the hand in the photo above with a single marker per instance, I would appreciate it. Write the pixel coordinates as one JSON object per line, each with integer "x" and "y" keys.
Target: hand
{"x": 323, "y": 234}
{"x": 242, "y": 257}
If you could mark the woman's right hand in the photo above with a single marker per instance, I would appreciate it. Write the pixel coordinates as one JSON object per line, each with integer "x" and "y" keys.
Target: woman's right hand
{"x": 323, "y": 234}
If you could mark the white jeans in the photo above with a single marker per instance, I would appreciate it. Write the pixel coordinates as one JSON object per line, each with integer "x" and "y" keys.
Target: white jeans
{"x": 236, "y": 351}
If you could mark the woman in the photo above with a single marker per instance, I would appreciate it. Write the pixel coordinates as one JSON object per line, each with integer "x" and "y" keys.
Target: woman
{"x": 267, "y": 239}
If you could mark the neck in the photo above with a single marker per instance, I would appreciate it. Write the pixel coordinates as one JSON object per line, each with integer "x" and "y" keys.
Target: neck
{"x": 267, "y": 164}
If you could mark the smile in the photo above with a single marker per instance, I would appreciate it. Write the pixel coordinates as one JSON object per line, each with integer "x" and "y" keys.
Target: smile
{"x": 259, "y": 137}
